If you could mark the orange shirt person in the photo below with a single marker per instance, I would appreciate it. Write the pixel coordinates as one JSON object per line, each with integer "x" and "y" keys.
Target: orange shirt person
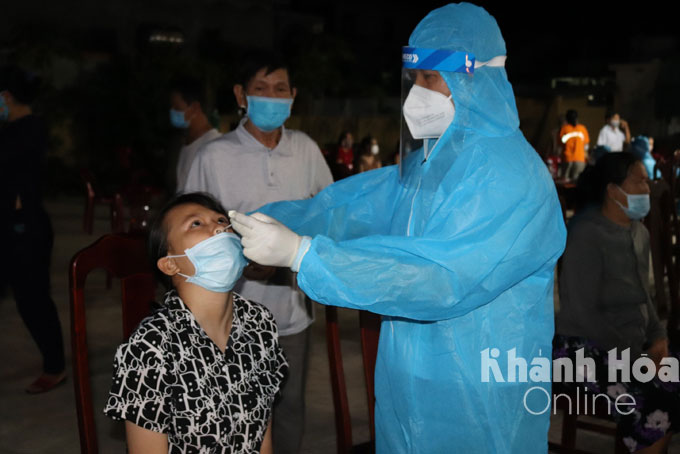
{"x": 575, "y": 139}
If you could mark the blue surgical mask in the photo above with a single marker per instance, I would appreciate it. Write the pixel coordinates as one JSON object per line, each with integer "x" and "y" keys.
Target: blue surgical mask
{"x": 4, "y": 109}
{"x": 638, "y": 205}
{"x": 218, "y": 262}
{"x": 268, "y": 114}
{"x": 177, "y": 119}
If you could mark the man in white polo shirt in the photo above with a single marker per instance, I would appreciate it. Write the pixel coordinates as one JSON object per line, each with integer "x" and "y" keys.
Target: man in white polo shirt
{"x": 615, "y": 134}
{"x": 258, "y": 163}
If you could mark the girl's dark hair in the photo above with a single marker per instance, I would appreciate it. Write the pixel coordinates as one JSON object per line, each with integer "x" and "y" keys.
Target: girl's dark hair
{"x": 610, "y": 168}
{"x": 158, "y": 233}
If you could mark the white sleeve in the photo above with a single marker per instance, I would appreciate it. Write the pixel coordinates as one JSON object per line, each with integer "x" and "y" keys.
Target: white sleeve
{"x": 198, "y": 178}
{"x": 321, "y": 174}
{"x": 601, "y": 140}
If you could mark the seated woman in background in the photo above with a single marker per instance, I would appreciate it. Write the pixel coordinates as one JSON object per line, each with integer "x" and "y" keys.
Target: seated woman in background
{"x": 605, "y": 302}
{"x": 201, "y": 374}
{"x": 343, "y": 165}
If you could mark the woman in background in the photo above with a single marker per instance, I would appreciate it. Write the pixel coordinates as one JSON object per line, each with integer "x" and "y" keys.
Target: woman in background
{"x": 343, "y": 165}
{"x": 605, "y": 301}
{"x": 368, "y": 156}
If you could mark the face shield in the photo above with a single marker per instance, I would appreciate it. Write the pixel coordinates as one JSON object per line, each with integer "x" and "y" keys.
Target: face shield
{"x": 436, "y": 93}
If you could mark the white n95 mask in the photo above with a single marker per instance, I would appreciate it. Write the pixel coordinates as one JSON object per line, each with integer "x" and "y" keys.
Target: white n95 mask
{"x": 427, "y": 112}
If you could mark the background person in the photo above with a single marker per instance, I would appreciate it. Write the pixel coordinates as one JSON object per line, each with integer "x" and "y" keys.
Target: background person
{"x": 615, "y": 134}
{"x": 261, "y": 162}
{"x": 457, "y": 255}
{"x": 24, "y": 224}
{"x": 368, "y": 157}
{"x": 641, "y": 147}
{"x": 575, "y": 140}
{"x": 344, "y": 156}
{"x": 187, "y": 112}
{"x": 605, "y": 301}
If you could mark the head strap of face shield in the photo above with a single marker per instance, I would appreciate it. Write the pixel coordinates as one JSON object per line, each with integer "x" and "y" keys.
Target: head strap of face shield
{"x": 498, "y": 61}
{"x": 444, "y": 60}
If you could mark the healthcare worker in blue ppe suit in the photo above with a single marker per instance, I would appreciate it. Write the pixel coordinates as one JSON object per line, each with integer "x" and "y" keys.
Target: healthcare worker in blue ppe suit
{"x": 456, "y": 249}
{"x": 641, "y": 148}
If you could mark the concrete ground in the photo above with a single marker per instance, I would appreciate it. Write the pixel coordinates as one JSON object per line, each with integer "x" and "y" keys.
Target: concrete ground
{"x": 46, "y": 423}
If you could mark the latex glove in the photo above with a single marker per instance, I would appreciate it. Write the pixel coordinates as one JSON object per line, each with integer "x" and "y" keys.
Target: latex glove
{"x": 265, "y": 240}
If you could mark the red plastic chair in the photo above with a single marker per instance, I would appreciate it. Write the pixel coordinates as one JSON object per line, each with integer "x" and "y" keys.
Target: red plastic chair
{"x": 124, "y": 256}
{"x": 369, "y": 324}
{"x": 139, "y": 200}
{"x": 93, "y": 197}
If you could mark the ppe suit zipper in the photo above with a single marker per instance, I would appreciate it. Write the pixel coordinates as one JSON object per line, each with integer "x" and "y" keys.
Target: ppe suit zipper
{"x": 426, "y": 153}
{"x": 413, "y": 202}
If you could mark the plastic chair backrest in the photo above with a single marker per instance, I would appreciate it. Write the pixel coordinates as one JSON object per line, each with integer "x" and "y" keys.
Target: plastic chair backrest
{"x": 123, "y": 256}
{"x": 369, "y": 324}
{"x": 659, "y": 222}
{"x": 574, "y": 404}
{"x": 88, "y": 179}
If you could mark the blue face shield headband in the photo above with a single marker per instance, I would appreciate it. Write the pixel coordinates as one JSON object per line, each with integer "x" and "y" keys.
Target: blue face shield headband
{"x": 268, "y": 114}
{"x": 438, "y": 60}
{"x": 445, "y": 60}
{"x": 218, "y": 262}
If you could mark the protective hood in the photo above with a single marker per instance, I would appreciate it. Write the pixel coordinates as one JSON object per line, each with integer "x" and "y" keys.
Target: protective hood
{"x": 484, "y": 101}
{"x": 488, "y": 102}
{"x": 639, "y": 147}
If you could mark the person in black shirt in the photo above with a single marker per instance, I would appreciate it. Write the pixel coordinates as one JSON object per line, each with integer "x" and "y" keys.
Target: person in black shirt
{"x": 24, "y": 223}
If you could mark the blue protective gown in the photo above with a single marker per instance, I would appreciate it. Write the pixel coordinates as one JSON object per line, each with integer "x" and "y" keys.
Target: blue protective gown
{"x": 458, "y": 257}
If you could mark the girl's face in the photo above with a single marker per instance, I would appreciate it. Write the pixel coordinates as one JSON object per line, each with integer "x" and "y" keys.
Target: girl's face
{"x": 188, "y": 225}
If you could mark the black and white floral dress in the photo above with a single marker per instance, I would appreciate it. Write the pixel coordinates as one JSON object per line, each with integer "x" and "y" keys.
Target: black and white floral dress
{"x": 170, "y": 377}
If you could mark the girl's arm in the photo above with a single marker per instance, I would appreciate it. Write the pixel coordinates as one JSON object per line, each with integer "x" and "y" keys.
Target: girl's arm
{"x": 266, "y": 447}
{"x": 145, "y": 441}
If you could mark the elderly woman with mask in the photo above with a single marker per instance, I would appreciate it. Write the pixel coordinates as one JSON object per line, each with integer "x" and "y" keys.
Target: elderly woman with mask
{"x": 605, "y": 303}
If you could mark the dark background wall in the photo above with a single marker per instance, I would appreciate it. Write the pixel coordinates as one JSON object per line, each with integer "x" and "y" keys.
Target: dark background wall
{"x": 106, "y": 64}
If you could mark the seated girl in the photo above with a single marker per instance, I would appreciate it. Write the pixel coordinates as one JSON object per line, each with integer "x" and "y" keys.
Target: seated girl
{"x": 200, "y": 374}
{"x": 605, "y": 301}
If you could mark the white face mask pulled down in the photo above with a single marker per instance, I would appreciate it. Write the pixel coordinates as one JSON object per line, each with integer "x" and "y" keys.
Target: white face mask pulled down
{"x": 427, "y": 112}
